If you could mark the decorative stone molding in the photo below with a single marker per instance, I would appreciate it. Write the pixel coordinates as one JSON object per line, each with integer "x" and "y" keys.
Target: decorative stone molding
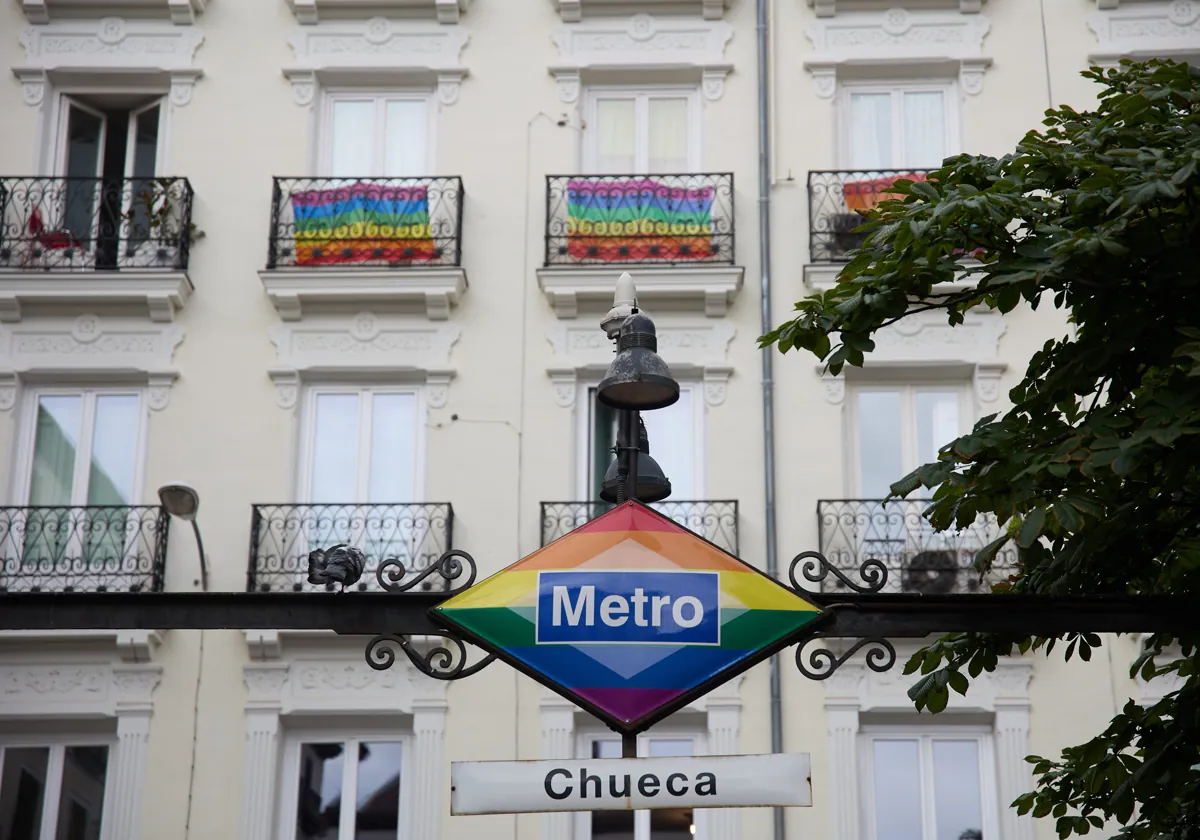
{"x": 574, "y": 11}
{"x": 1165, "y": 29}
{"x": 80, "y": 48}
{"x": 644, "y": 43}
{"x": 834, "y": 386}
{"x": 309, "y": 12}
{"x": 715, "y": 379}
{"x": 181, "y": 12}
{"x": 379, "y": 51}
{"x": 294, "y": 290}
{"x": 160, "y": 292}
{"x": 829, "y": 8}
{"x": 898, "y": 38}
{"x": 987, "y": 380}
{"x": 8, "y": 390}
{"x": 664, "y": 289}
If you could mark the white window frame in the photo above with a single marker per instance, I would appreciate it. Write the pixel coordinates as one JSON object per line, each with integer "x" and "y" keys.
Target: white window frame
{"x": 23, "y": 475}
{"x": 330, "y": 96}
{"x": 926, "y": 735}
{"x": 52, "y": 788}
{"x": 641, "y": 94}
{"x": 953, "y": 113}
{"x": 308, "y": 437}
{"x": 53, "y": 155}
{"x": 583, "y": 749}
{"x": 289, "y": 774}
{"x": 908, "y": 390}
{"x": 583, "y": 439}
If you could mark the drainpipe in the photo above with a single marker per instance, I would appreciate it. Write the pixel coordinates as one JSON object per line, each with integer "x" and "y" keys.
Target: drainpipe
{"x": 768, "y": 381}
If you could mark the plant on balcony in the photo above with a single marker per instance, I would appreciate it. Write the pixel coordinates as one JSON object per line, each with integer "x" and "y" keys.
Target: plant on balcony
{"x": 1094, "y": 470}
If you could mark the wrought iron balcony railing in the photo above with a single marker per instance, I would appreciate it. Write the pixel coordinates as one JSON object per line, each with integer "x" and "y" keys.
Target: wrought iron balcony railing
{"x": 120, "y": 548}
{"x": 717, "y": 521}
{"x": 918, "y": 559}
{"x": 356, "y": 222}
{"x": 281, "y": 537}
{"x": 837, "y": 203}
{"x": 669, "y": 219}
{"x": 95, "y": 224}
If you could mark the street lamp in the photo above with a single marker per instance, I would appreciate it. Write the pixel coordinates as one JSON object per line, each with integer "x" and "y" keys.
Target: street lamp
{"x": 183, "y": 501}
{"x": 652, "y": 485}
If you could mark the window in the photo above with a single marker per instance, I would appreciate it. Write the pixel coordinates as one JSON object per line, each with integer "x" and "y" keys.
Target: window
{"x": 324, "y": 774}
{"x": 929, "y": 787}
{"x": 642, "y": 132}
{"x": 895, "y": 429}
{"x": 676, "y": 442}
{"x": 376, "y": 136}
{"x": 659, "y": 824}
{"x": 52, "y": 792}
{"x": 897, "y": 127}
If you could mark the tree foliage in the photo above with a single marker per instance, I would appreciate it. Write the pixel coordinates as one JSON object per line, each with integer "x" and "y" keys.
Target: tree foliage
{"x": 1094, "y": 472}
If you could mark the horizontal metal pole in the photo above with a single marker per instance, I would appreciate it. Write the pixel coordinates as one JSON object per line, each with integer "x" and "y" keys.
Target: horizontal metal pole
{"x": 368, "y": 613}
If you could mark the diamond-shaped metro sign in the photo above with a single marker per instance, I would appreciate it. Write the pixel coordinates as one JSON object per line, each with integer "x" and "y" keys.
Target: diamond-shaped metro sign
{"x": 630, "y": 616}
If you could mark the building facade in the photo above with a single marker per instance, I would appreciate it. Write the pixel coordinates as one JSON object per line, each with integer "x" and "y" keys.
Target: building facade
{"x": 340, "y": 265}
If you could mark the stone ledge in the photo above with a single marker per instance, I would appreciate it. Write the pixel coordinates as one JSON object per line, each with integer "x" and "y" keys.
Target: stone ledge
{"x": 660, "y": 288}
{"x": 294, "y": 290}
{"x": 162, "y": 292}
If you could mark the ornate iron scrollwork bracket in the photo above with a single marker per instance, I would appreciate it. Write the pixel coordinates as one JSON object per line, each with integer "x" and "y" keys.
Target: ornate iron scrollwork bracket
{"x": 441, "y": 662}
{"x": 817, "y": 567}
{"x": 821, "y": 662}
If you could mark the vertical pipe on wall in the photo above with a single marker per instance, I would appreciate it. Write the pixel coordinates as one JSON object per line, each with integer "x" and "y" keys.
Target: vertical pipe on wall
{"x": 768, "y": 382}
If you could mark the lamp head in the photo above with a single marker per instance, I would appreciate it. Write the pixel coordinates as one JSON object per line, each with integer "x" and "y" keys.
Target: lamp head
{"x": 651, "y": 486}
{"x": 624, "y": 305}
{"x": 180, "y": 500}
{"x": 638, "y": 379}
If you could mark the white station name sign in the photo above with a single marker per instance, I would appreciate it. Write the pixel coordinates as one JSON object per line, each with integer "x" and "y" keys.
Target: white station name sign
{"x": 627, "y": 784}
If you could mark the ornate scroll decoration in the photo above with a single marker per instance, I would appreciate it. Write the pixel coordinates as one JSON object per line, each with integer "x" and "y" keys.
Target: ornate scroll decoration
{"x": 443, "y": 662}
{"x": 816, "y": 568}
{"x": 449, "y": 567}
{"x": 821, "y": 662}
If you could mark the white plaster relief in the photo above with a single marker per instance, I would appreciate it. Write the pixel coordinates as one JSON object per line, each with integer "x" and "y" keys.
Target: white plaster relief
{"x": 55, "y": 684}
{"x": 898, "y": 36}
{"x": 1145, "y": 29}
{"x": 366, "y": 340}
{"x": 698, "y": 345}
{"x": 644, "y": 42}
{"x": 834, "y": 387}
{"x": 927, "y": 338}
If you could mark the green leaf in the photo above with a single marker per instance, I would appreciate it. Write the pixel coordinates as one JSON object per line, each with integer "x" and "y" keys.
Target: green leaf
{"x": 1031, "y": 527}
{"x": 959, "y": 683}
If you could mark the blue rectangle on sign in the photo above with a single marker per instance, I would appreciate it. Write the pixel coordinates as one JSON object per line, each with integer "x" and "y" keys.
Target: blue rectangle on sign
{"x": 674, "y": 608}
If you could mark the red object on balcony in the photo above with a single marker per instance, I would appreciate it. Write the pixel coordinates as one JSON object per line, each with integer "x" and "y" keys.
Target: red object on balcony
{"x": 50, "y": 239}
{"x": 863, "y": 196}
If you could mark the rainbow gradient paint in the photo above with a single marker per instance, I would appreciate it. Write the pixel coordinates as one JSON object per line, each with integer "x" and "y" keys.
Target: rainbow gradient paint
{"x": 630, "y": 616}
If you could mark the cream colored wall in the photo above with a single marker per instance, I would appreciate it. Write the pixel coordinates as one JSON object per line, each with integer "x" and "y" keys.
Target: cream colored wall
{"x": 511, "y": 446}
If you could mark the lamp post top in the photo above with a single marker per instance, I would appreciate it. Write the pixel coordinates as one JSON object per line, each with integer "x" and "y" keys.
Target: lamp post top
{"x": 624, "y": 302}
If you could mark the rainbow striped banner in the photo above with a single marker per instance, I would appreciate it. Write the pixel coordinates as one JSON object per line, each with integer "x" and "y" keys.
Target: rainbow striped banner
{"x": 630, "y": 616}
{"x": 362, "y": 222}
{"x": 624, "y": 220}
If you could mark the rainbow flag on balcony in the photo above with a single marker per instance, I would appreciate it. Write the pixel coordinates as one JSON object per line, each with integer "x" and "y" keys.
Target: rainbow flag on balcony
{"x": 361, "y": 222}
{"x": 641, "y": 220}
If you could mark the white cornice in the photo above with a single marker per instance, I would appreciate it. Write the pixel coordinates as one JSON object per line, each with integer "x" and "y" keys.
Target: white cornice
{"x": 643, "y": 43}
{"x": 829, "y": 8}
{"x": 378, "y": 50}
{"x": 1142, "y": 30}
{"x": 573, "y": 11}
{"x": 161, "y": 292}
{"x": 293, "y": 291}
{"x": 898, "y": 38}
{"x": 443, "y": 11}
{"x": 182, "y": 12}
{"x": 680, "y": 287}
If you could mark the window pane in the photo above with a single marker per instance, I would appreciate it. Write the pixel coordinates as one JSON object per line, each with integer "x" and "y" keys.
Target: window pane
{"x": 393, "y": 448}
{"x": 671, "y": 823}
{"x": 335, "y": 448}
{"x": 85, "y": 132}
{"x": 22, "y": 788}
{"x": 352, "y": 147}
{"x": 937, "y": 423}
{"x": 114, "y": 450}
{"x": 616, "y": 136}
{"x": 143, "y": 191}
{"x": 319, "y": 803}
{"x": 54, "y": 450}
{"x": 870, "y": 129}
{"x": 897, "y": 781}
{"x": 668, "y": 135}
{"x": 880, "y": 448}
{"x": 672, "y": 432}
{"x": 604, "y": 436}
{"x": 924, "y": 129}
{"x": 668, "y": 748}
{"x": 378, "y": 798}
{"x": 404, "y": 139}
{"x": 82, "y": 800}
{"x": 611, "y": 825}
{"x": 956, "y": 790}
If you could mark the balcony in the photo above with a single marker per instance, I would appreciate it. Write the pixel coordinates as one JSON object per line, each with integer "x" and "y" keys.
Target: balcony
{"x": 365, "y": 241}
{"x": 917, "y": 558}
{"x": 675, "y": 232}
{"x": 716, "y": 521}
{"x": 95, "y": 241}
{"x": 281, "y": 537}
{"x": 118, "y": 548}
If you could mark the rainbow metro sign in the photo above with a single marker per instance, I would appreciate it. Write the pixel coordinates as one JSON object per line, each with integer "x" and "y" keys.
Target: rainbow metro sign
{"x": 631, "y": 616}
